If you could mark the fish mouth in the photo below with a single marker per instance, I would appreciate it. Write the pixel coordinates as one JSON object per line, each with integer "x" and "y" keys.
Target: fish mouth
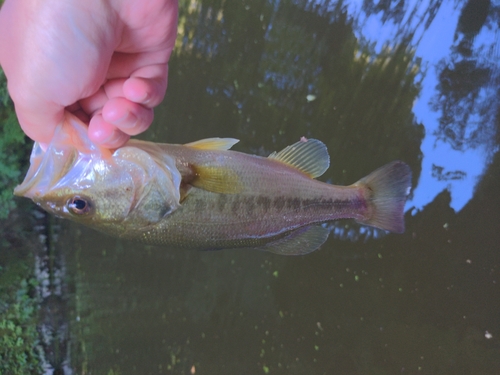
{"x": 53, "y": 169}
{"x": 70, "y": 152}
{"x": 46, "y": 168}
{"x": 33, "y": 175}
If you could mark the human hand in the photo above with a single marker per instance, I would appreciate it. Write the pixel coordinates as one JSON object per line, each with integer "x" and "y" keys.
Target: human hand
{"x": 104, "y": 60}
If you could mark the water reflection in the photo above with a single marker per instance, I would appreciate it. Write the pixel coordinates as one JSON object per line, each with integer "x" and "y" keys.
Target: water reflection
{"x": 259, "y": 85}
{"x": 436, "y": 61}
{"x": 368, "y": 79}
{"x": 458, "y": 103}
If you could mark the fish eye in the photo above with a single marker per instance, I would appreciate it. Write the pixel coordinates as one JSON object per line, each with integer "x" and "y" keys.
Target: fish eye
{"x": 79, "y": 205}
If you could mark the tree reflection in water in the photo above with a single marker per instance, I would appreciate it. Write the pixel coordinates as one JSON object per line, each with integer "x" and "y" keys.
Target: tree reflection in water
{"x": 336, "y": 70}
{"x": 377, "y": 81}
{"x": 458, "y": 104}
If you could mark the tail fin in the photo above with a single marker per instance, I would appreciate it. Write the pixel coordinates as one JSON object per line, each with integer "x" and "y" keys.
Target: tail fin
{"x": 388, "y": 189}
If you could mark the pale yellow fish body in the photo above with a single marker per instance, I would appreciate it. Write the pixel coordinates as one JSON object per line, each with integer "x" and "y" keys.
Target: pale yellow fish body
{"x": 201, "y": 195}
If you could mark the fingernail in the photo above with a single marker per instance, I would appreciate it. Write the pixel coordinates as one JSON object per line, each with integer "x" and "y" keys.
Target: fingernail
{"x": 140, "y": 98}
{"x": 111, "y": 137}
{"x": 126, "y": 122}
{"x": 116, "y": 139}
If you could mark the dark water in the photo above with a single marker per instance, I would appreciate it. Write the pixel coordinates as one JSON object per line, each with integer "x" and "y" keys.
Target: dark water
{"x": 376, "y": 81}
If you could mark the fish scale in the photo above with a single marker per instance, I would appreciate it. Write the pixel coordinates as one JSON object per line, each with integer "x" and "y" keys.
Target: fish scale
{"x": 203, "y": 195}
{"x": 224, "y": 220}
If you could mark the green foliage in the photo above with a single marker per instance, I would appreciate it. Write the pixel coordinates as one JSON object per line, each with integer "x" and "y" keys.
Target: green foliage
{"x": 18, "y": 310}
{"x": 18, "y": 334}
{"x": 13, "y": 150}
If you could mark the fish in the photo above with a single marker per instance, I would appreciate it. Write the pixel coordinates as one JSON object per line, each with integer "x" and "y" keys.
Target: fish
{"x": 202, "y": 195}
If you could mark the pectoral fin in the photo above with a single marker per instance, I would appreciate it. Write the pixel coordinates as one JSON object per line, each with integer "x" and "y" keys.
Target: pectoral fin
{"x": 308, "y": 155}
{"x": 221, "y": 144}
{"x": 216, "y": 179}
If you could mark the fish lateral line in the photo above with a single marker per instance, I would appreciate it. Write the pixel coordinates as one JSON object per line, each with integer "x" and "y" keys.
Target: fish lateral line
{"x": 229, "y": 199}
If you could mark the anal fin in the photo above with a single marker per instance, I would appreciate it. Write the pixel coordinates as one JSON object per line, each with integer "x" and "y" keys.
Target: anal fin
{"x": 299, "y": 241}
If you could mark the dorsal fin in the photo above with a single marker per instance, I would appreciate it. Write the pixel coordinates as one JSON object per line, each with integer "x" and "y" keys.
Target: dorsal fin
{"x": 221, "y": 144}
{"x": 307, "y": 155}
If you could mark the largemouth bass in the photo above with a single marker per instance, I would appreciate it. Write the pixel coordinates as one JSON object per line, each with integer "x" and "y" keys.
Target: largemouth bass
{"x": 202, "y": 195}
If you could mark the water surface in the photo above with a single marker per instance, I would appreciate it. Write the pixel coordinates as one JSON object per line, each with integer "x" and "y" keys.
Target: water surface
{"x": 416, "y": 81}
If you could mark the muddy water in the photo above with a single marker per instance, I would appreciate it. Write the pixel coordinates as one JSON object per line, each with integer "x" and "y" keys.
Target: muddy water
{"x": 376, "y": 83}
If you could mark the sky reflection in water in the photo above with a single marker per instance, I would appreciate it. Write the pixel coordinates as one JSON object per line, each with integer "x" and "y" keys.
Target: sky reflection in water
{"x": 269, "y": 72}
{"x": 443, "y": 167}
